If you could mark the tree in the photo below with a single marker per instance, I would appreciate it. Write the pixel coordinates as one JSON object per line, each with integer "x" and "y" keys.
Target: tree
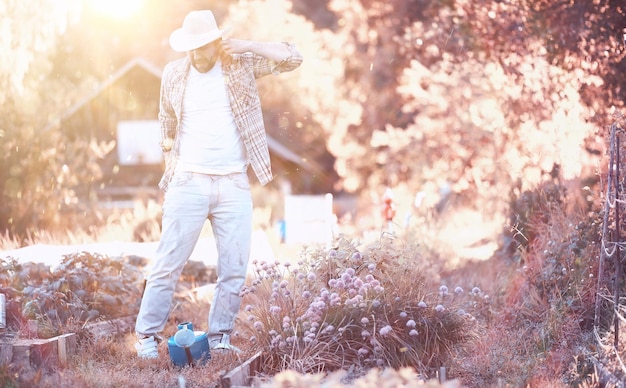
{"x": 29, "y": 32}
{"x": 489, "y": 97}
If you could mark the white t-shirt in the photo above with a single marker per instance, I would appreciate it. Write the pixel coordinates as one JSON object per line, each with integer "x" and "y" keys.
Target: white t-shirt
{"x": 209, "y": 140}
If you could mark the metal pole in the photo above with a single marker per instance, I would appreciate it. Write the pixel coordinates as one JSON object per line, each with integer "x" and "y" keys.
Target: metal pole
{"x": 605, "y": 225}
{"x": 618, "y": 270}
{"x": 618, "y": 253}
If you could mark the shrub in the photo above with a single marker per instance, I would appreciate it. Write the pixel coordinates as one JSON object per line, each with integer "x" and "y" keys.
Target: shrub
{"x": 344, "y": 308}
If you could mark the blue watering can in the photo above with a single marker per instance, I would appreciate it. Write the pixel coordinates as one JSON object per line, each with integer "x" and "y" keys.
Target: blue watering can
{"x": 188, "y": 347}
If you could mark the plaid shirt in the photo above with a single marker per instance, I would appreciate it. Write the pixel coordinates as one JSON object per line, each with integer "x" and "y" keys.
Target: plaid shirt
{"x": 240, "y": 73}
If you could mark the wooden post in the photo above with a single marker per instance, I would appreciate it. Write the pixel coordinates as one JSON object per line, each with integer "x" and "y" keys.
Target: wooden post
{"x": 6, "y": 353}
{"x": 66, "y": 347}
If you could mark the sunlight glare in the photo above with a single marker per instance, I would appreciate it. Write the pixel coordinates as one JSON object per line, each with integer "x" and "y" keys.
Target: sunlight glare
{"x": 117, "y": 9}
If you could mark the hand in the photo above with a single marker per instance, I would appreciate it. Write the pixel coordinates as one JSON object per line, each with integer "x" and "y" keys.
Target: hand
{"x": 235, "y": 46}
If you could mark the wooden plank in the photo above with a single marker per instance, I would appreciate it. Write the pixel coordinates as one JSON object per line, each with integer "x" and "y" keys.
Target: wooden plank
{"x": 39, "y": 352}
{"x": 21, "y": 354}
{"x": 66, "y": 347}
{"x": 242, "y": 375}
{"x": 112, "y": 328}
{"x": 44, "y": 353}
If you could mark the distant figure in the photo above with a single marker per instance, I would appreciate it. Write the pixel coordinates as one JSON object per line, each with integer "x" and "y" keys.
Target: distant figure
{"x": 389, "y": 209}
{"x": 211, "y": 131}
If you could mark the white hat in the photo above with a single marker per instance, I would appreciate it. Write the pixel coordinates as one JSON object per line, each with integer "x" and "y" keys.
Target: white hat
{"x": 199, "y": 28}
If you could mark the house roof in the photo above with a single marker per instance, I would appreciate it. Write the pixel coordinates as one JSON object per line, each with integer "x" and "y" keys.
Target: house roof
{"x": 274, "y": 145}
{"x": 146, "y": 65}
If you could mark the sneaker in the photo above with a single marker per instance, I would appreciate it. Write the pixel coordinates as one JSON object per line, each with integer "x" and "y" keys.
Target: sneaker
{"x": 223, "y": 344}
{"x": 147, "y": 348}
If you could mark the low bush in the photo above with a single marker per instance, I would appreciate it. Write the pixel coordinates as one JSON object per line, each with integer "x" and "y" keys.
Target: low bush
{"x": 356, "y": 309}
{"x": 84, "y": 287}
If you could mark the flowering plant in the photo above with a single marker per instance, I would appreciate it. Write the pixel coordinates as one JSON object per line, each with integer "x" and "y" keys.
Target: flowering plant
{"x": 345, "y": 308}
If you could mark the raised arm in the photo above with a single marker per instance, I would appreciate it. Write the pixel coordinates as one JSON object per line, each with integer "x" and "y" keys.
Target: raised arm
{"x": 283, "y": 54}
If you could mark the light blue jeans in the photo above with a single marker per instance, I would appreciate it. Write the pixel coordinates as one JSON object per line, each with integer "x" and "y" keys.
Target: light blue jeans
{"x": 190, "y": 200}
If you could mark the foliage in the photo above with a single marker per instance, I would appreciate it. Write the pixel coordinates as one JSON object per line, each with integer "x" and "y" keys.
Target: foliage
{"x": 46, "y": 190}
{"x": 84, "y": 287}
{"x": 475, "y": 95}
{"x": 532, "y": 209}
{"x": 37, "y": 181}
{"x": 546, "y": 307}
{"x": 349, "y": 309}
{"x": 463, "y": 105}
{"x": 531, "y": 322}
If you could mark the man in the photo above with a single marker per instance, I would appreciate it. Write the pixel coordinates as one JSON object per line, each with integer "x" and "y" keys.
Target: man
{"x": 211, "y": 131}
